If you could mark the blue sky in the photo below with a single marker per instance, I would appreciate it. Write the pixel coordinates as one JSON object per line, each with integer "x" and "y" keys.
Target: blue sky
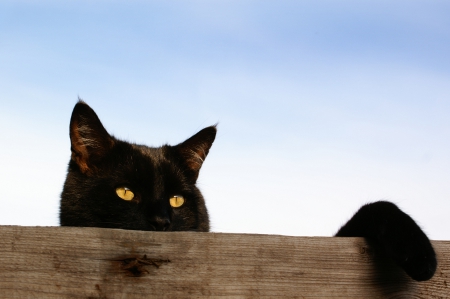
{"x": 322, "y": 105}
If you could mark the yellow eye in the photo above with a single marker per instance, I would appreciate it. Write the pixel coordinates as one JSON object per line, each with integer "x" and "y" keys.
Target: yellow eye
{"x": 125, "y": 193}
{"x": 176, "y": 201}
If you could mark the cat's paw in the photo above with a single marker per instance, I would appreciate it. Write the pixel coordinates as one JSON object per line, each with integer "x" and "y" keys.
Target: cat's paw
{"x": 420, "y": 267}
{"x": 397, "y": 235}
{"x": 404, "y": 241}
{"x": 414, "y": 253}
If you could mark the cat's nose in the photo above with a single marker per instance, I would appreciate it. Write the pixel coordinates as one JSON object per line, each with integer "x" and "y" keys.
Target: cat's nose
{"x": 160, "y": 223}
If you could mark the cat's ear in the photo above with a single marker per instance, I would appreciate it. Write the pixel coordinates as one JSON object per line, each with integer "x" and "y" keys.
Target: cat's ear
{"x": 194, "y": 150}
{"x": 89, "y": 139}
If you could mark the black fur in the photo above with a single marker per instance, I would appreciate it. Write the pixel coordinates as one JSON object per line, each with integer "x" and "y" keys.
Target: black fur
{"x": 100, "y": 163}
{"x": 394, "y": 233}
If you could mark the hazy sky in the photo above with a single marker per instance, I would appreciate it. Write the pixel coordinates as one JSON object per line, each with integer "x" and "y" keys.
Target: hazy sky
{"x": 322, "y": 105}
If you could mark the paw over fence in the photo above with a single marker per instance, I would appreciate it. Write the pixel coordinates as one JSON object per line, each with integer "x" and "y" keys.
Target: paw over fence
{"x": 66, "y": 262}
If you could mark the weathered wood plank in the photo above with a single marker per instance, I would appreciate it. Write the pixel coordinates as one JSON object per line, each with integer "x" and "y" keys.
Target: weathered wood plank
{"x": 62, "y": 262}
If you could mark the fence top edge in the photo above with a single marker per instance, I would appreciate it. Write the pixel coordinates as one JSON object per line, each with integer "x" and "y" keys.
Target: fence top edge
{"x": 224, "y": 234}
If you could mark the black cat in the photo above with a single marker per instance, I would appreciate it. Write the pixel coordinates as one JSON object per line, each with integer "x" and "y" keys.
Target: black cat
{"x": 116, "y": 184}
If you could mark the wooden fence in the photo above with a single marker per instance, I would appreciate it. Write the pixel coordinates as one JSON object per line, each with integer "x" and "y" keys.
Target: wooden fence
{"x": 64, "y": 262}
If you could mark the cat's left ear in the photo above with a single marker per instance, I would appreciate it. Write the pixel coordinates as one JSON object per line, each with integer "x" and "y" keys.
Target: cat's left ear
{"x": 194, "y": 150}
{"x": 89, "y": 139}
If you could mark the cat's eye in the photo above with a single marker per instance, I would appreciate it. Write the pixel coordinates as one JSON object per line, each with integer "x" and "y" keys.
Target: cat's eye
{"x": 176, "y": 201}
{"x": 125, "y": 193}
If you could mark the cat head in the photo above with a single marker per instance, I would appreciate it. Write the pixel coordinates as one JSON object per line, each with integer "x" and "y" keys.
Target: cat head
{"x": 117, "y": 184}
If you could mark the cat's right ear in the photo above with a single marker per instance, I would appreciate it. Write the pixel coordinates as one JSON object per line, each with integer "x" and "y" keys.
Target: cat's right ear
{"x": 89, "y": 139}
{"x": 194, "y": 151}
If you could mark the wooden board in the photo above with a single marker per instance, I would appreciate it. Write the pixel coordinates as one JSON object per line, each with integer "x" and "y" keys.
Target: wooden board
{"x": 64, "y": 262}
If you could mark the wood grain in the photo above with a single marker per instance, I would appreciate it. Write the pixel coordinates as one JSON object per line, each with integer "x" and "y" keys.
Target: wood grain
{"x": 64, "y": 262}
